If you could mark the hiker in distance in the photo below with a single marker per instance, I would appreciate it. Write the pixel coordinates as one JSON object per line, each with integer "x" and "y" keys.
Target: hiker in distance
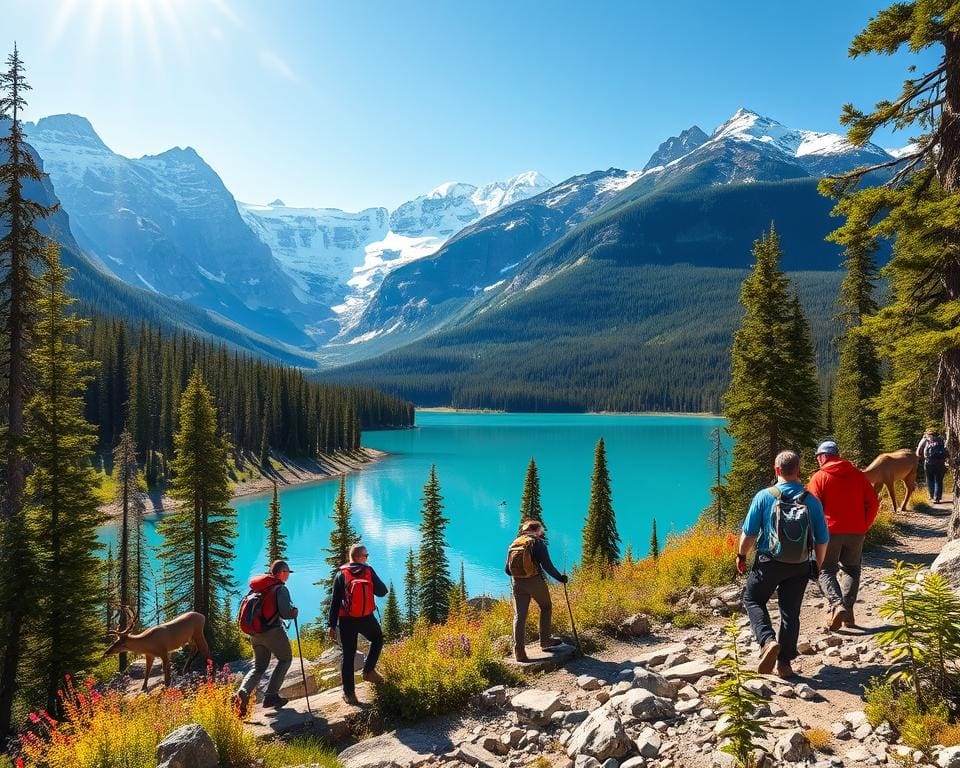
{"x": 933, "y": 452}
{"x": 527, "y": 559}
{"x": 351, "y": 607}
{"x": 784, "y": 523}
{"x": 261, "y": 616}
{"x": 850, "y": 506}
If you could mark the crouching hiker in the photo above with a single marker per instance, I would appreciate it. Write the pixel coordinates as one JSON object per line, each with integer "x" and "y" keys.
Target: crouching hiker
{"x": 787, "y": 524}
{"x": 351, "y": 606}
{"x": 261, "y": 617}
{"x": 527, "y": 559}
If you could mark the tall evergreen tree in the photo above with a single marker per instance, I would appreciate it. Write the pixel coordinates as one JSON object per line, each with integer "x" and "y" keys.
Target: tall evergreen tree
{"x": 130, "y": 501}
{"x": 857, "y": 380}
{"x": 530, "y": 508}
{"x": 61, "y": 505}
{"x": 276, "y": 541}
{"x": 410, "y": 590}
{"x": 717, "y": 455}
{"x": 198, "y": 538}
{"x": 601, "y": 542}
{"x": 654, "y": 541}
{"x": 22, "y": 257}
{"x": 342, "y": 535}
{"x": 433, "y": 577}
{"x": 762, "y": 404}
{"x": 392, "y": 623}
{"x": 919, "y": 208}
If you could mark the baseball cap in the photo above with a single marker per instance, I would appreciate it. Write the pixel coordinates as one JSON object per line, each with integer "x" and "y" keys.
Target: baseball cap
{"x": 828, "y": 447}
{"x": 279, "y": 565}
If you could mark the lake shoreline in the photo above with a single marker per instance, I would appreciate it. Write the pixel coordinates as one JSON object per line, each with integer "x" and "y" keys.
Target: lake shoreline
{"x": 672, "y": 414}
{"x": 289, "y": 474}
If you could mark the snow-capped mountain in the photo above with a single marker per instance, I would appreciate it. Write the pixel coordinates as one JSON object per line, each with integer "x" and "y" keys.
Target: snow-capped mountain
{"x": 677, "y": 146}
{"x": 338, "y": 259}
{"x": 166, "y": 223}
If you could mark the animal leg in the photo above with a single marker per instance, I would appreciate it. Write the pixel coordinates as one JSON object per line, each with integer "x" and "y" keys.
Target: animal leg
{"x": 146, "y": 671}
{"x": 191, "y": 655}
{"x": 910, "y": 481}
{"x": 166, "y": 669}
{"x": 892, "y": 490}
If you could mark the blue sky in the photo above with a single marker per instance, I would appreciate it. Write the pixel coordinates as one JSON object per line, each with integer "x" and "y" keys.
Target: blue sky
{"x": 356, "y": 104}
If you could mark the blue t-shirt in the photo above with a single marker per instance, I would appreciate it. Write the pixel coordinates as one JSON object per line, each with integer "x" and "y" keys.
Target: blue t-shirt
{"x": 760, "y": 517}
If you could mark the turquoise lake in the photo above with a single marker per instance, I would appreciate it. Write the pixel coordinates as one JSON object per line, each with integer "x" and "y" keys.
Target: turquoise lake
{"x": 659, "y": 467}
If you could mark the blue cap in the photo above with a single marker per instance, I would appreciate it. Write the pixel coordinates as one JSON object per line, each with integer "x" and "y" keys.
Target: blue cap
{"x": 828, "y": 447}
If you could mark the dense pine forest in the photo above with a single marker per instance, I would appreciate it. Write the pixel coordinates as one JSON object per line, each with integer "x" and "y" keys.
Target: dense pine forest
{"x": 261, "y": 406}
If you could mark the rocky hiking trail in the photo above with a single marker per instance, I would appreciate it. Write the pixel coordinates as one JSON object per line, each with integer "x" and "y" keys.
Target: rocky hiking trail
{"x": 645, "y": 703}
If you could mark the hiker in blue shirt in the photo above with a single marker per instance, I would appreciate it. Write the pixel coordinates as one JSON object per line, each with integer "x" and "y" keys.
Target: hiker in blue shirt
{"x": 785, "y": 522}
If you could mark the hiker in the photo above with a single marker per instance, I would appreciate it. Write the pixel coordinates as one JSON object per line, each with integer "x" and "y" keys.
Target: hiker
{"x": 850, "y": 506}
{"x": 352, "y": 606}
{"x": 781, "y": 523}
{"x": 933, "y": 451}
{"x": 261, "y": 616}
{"x": 527, "y": 559}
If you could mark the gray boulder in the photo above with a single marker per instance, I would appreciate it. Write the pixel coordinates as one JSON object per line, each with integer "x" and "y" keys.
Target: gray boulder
{"x": 190, "y": 746}
{"x": 793, "y": 746}
{"x": 535, "y": 706}
{"x": 405, "y": 748}
{"x": 637, "y": 625}
{"x": 601, "y": 736}
{"x": 643, "y": 705}
{"x": 949, "y": 757}
{"x": 651, "y": 681}
{"x": 947, "y": 563}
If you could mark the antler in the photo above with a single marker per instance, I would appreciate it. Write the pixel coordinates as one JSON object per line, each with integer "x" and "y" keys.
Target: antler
{"x": 132, "y": 619}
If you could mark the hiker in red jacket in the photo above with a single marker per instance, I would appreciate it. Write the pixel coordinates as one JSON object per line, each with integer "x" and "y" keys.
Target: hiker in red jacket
{"x": 850, "y": 505}
{"x": 351, "y": 607}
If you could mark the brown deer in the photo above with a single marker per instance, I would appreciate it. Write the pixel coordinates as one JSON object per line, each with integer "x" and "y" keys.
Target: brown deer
{"x": 160, "y": 641}
{"x": 887, "y": 468}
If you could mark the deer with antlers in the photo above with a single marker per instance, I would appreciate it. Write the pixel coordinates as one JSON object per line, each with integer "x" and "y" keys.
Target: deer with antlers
{"x": 160, "y": 641}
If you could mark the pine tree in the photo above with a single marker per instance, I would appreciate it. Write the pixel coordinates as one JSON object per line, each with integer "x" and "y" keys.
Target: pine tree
{"x": 530, "y": 508}
{"x": 761, "y": 404}
{"x": 410, "y": 590}
{"x": 628, "y": 554}
{"x": 601, "y": 542}
{"x": 392, "y": 623}
{"x": 654, "y": 541}
{"x": 342, "y": 536}
{"x": 22, "y": 256}
{"x": 462, "y": 584}
{"x": 109, "y": 589}
{"x": 60, "y": 501}
{"x": 433, "y": 577}
{"x": 717, "y": 455}
{"x": 276, "y": 541}
{"x": 131, "y": 503}
{"x": 198, "y": 538}
{"x": 919, "y": 208}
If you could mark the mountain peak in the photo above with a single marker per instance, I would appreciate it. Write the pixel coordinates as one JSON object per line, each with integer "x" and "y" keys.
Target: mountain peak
{"x": 70, "y": 129}
{"x": 677, "y": 146}
{"x": 278, "y": 203}
{"x": 451, "y": 189}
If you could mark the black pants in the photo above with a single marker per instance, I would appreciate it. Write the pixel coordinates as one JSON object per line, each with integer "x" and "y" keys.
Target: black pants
{"x": 369, "y": 627}
{"x": 790, "y": 582}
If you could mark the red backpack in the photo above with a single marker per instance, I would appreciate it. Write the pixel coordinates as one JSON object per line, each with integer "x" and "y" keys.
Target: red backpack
{"x": 258, "y": 609}
{"x": 358, "y": 600}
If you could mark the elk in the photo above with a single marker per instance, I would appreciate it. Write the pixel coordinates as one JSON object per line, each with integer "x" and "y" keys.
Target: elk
{"x": 160, "y": 641}
{"x": 887, "y": 468}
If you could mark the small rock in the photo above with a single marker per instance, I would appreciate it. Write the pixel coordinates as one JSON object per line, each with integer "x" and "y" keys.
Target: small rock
{"x": 611, "y": 762}
{"x": 189, "y": 746}
{"x": 758, "y": 686}
{"x": 603, "y": 696}
{"x": 804, "y": 646}
{"x": 805, "y": 692}
{"x": 689, "y": 670}
{"x": 651, "y": 681}
{"x": 600, "y": 735}
{"x": 687, "y": 705}
{"x": 688, "y": 692}
{"x": 642, "y": 705}
{"x": 858, "y": 756}
{"x": 634, "y": 762}
{"x": 841, "y": 730}
{"x": 792, "y": 746}
{"x": 495, "y": 696}
{"x": 861, "y": 732}
{"x": 621, "y": 688}
{"x": 949, "y": 757}
{"x": 637, "y": 625}
{"x": 515, "y": 736}
{"x": 884, "y": 732}
{"x": 648, "y": 743}
{"x": 494, "y": 745}
{"x": 535, "y": 706}
{"x": 575, "y": 716}
{"x": 588, "y": 682}
{"x": 849, "y": 654}
{"x": 833, "y": 641}
{"x": 586, "y": 761}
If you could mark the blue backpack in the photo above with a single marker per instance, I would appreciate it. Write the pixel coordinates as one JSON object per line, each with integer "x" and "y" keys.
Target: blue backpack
{"x": 935, "y": 452}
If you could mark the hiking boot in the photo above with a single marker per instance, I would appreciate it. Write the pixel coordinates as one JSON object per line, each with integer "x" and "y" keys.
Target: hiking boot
{"x": 521, "y": 656}
{"x": 768, "y": 657}
{"x": 550, "y": 644}
{"x": 850, "y": 621}
{"x": 351, "y": 699}
{"x": 373, "y": 677}
{"x": 274, "y": 700}
{"x": 241, "y": 703}
{"x": 785, "y": 671}
{"x": 837, "y": 617}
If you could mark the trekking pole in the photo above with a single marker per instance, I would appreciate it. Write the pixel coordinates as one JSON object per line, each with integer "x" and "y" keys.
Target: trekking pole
{"x": 573, "y": 626}
{"x": 303, "y": 672}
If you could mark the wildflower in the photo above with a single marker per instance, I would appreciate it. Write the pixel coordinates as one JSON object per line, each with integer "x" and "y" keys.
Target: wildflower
{"x": 33, "y": 718}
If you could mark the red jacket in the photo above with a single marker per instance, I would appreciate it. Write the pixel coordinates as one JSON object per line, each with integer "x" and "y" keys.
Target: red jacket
{"x": 849, "y": 502}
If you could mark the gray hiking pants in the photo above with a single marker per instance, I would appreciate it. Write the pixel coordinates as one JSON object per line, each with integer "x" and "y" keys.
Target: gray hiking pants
{"x": 523, "y": 590}
{"x": 844, "y": 552}
{"x": 273, "y": 642}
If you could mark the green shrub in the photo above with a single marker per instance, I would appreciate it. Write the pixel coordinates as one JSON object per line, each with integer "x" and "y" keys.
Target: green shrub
{"x": 883, "y": 531}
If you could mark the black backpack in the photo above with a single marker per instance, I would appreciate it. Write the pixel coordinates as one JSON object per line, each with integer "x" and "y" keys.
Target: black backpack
{"x": 935, "y": 452}
{"x": 791, "y": 535}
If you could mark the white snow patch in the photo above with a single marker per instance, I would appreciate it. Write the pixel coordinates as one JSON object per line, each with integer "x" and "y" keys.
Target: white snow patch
{"x": 147, "y": 283}
{"x": 222, "y": 279}
{"x": 494, "y": 286}
{"x": 509, "y": 267}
